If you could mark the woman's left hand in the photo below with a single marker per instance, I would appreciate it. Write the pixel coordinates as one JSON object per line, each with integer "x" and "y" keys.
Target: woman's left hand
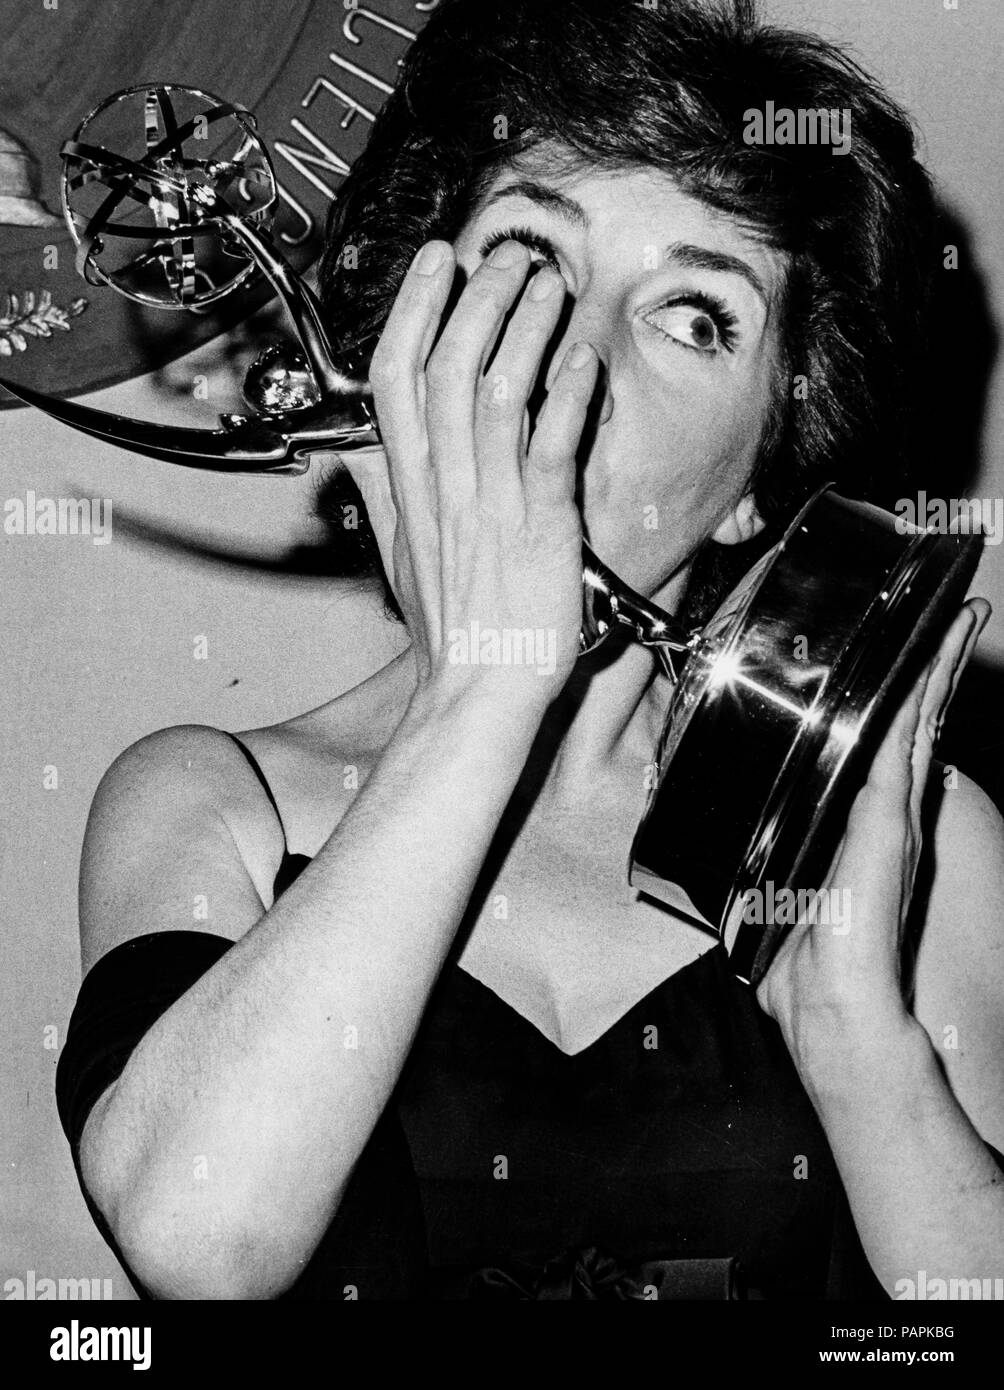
{"x": 846, "y": 973}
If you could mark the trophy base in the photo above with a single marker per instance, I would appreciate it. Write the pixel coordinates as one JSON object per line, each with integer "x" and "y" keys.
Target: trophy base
{"x": 777, "y": 716}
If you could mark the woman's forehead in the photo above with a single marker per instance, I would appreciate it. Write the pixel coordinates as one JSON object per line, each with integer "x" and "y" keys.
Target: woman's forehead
{"x": 621, "y": 206}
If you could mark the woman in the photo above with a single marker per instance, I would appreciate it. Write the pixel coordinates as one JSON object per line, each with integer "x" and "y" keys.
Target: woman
{"x": 422, "y": 1040}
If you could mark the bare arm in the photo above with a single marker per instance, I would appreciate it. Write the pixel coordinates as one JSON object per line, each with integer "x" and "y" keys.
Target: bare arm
{"x": 908, "y": 1107}
{"x": 248, "y": 1070}
{"x": 909, "y": 1095}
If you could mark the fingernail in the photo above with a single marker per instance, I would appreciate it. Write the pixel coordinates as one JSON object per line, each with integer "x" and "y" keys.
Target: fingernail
{"x": 430, "y": 258}
{"x": 507, "y": 254}
{"x": 578, "y": 356}
{"x": 544, "y": 283}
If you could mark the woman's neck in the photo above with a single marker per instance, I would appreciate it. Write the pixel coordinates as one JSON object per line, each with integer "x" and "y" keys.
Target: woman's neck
{"x": 605, "y": 722}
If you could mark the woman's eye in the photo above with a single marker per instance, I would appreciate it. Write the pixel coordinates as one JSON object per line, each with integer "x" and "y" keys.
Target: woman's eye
{"x": 542, "y": 251}
{"x": 700, "y": 329}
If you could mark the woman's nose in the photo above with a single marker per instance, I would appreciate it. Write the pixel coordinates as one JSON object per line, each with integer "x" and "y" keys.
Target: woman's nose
{"x": 579, "y": 325}
{"x": 603, "y": 384}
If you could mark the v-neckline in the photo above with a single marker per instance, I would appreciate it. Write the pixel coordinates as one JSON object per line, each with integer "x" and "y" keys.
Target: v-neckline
{"x": 716, "y": 950}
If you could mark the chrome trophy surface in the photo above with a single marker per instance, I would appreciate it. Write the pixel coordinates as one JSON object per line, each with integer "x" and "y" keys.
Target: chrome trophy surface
{"x": 783, "y": 697}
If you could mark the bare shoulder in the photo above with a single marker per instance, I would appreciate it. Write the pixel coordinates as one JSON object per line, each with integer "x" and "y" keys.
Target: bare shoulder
{"x": 316, "y": 764}
{"x": 188, "y": 772}
{"x": 181, "y": 836}
{"x": 184, "y": 834}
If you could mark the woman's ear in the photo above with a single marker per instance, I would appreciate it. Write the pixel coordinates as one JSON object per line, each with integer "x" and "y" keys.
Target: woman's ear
{"x": 742, "y": 523}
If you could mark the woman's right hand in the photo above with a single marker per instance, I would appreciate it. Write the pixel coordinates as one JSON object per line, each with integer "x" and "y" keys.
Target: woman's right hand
{"x": 488, "y": 538}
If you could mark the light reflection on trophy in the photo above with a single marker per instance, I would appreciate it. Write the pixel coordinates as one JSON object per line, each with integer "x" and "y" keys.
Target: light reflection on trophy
{"x": 776, "y": 703}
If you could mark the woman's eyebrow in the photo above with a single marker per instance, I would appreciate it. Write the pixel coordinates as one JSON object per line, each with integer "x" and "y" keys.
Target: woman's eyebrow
{"x": 545, "y": 197}
{"x": 681, "y": 253}
{"x": 690, "y": 257}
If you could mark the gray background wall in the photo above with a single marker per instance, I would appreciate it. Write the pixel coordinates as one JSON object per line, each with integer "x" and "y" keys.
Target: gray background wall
{"x": 97, "y": 641}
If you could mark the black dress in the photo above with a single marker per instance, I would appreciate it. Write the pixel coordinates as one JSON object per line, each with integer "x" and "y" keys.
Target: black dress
{"x": 678, "y": 1156}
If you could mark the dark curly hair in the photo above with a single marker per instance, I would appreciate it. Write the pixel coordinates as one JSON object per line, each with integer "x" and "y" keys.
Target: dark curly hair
{"x": 617, "y": 84}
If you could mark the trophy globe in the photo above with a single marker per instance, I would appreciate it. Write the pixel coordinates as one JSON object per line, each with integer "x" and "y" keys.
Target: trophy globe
{"x": 156, "y": 180}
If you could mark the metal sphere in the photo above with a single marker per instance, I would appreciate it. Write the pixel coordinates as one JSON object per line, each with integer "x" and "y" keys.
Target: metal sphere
{"x": 280, "y": 379}
{"x": 143, "y": 177}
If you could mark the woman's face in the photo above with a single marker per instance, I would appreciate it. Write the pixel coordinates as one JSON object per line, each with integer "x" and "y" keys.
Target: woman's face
{"x": 683, "y": 307}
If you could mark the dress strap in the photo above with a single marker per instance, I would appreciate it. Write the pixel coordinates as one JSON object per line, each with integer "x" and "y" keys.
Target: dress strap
{"x": 255, "y": 768}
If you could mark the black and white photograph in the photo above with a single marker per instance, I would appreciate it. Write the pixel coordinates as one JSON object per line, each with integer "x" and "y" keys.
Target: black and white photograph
{"x": 503, "y": 665}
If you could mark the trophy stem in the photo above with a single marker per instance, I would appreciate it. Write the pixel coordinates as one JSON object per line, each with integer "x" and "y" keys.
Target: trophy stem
{"x": 301, "y": 303}
{"x": 664, "y": 656}
{"x": 608, "y": 601}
